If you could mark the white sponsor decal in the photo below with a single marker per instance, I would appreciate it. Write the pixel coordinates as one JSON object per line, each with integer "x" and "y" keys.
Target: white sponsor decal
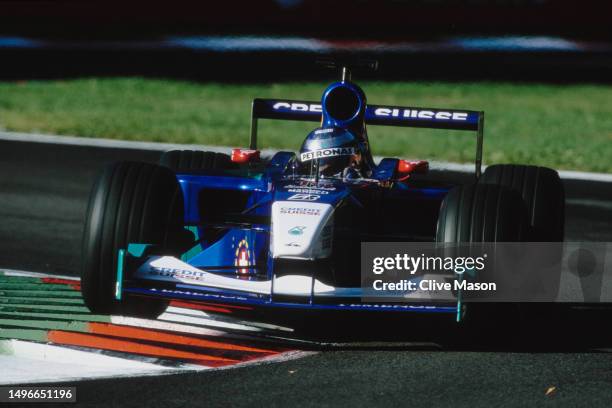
{"x": 300, "y": 211}
{"x": 420, "y": 114}
{"x": 319, "y": 154}
{"x": 296, "y": 106}
{"x": 304, "y": 197}
{"x": 170, "y": 269}
{"x": 318, "y": 132}
{"x": 306, "y": 191}
{"x": 177, "y": 273}
{"x": 298, "y": 229}
{"x": 318, "y": 187}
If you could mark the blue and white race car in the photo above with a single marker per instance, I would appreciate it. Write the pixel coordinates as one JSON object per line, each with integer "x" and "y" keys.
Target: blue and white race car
{"x": 285, "y": 231}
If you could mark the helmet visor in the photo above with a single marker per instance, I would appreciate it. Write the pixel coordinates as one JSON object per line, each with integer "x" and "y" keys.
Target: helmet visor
{"x": 326, "y": 167}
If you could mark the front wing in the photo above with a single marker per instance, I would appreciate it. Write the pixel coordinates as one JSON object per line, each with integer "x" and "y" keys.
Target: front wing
{"x": 169, "y": 277}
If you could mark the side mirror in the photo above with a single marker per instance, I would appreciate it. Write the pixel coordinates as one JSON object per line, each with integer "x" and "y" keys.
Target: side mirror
{"x": 405, "y": 168}
{"x": 418, "y": 166}
{"x": 245, "y": 155}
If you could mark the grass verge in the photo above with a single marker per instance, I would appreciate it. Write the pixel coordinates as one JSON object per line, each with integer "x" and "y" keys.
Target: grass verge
{"x": 566, "y": 127}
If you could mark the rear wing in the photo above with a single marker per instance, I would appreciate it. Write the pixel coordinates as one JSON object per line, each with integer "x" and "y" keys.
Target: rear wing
{"x": 402, "y": 116}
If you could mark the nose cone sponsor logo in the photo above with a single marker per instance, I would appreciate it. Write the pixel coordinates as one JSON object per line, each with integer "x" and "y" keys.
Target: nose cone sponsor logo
{"x": 304, "y": 197}
{"x": 299, "y": 230}
{"x": 300, "y": 211}
{"x": 243, "y": 256}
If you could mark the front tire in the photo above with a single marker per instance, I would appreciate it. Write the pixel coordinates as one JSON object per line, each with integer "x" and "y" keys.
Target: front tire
{"x": 130, "y": 203}
{"x": 482, "y": 213}
{"x": 543, "y": 193}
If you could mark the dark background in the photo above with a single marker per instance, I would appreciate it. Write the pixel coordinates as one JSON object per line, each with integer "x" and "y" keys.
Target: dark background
{"x": 94, "y": 38}
{"x": 586, "y": 19}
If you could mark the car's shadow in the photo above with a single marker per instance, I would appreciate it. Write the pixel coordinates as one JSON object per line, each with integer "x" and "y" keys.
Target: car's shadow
{"x": 530, "y": 328}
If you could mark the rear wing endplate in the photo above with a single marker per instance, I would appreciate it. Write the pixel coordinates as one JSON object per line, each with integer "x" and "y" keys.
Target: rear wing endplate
{"x": 380, "y": 115}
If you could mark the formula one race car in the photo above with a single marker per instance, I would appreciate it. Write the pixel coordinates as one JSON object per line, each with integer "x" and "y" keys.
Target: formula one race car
{"x": 285, "y": 231}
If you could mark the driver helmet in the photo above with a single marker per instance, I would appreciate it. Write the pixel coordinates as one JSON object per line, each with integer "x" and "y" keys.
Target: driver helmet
{"x": 332, "y": 152}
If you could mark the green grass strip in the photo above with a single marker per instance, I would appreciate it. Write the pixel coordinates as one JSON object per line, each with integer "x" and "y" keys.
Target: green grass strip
{"x": 42, "y": 293}
{"x": 34, "y": 286}
{"x": 42, "y": 308}
{"x": 46, "y": 324}
{"x": 24, "y": 334}
{"x": 41, "y": 301}
{"x": 8, "y": 278}
{"x": 58, "y": 316}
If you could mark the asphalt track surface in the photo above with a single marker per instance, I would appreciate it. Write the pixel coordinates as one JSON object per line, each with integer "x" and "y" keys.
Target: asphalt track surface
{"x": 557, "y": 359}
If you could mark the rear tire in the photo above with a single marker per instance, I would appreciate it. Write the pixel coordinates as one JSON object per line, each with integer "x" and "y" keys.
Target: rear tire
{"x": 187, "y": 161}
{"x": 130, "y": 202}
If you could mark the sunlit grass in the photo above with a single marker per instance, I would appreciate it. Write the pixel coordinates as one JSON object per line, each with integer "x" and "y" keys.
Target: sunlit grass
{"x": 568, "y": 127}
